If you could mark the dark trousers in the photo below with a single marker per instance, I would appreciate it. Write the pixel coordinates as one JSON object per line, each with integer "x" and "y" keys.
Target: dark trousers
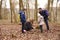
{"x": 23, "y": 27}
{"x": 41, "y": 28}
{"x": 46, "y": 22}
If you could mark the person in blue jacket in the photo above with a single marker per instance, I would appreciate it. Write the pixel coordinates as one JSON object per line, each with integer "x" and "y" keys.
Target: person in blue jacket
{"x": 45, "y": 14}
{"x": 23, "y": 19}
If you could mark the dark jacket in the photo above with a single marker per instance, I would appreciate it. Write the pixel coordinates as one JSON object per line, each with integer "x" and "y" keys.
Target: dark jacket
{"x": 28, "y": 26}
{"x": 22, "y": 16}
{"x": 44, "y": 13}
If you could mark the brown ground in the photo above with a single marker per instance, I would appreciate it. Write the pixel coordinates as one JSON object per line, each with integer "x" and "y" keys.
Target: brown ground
{"x": 13, "y": 32}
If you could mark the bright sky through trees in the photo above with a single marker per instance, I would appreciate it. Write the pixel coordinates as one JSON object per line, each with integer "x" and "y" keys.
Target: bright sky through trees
{"x": 41, "y": 3}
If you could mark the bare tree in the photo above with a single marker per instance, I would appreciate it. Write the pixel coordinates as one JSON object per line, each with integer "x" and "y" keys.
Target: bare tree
{"x": 11, "y": 10}
{"x": 21, "y": 5}
{"x": 12, "y": 7}
{"x": 0, "y": 9}
{"x": 27, "y": 7}
{"x": 56, "y": 10}
{"x": 59, "y": 7}
{"x": 48, "y": 5}
{"x": 51, "y": 11}
{"x": 35, "y": 14}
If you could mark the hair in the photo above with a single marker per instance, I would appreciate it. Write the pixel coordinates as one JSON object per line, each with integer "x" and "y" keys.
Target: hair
{"x": 24, "y": 9}
{"x": 40, "y": 8}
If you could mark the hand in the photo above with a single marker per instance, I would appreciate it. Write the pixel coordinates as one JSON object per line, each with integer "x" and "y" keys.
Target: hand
{"x": 24, "y": 30}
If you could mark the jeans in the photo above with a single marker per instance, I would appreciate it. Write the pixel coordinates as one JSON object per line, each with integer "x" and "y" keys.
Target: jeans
{"x": 23, "y": 27}
{"x": 46, "y": 22}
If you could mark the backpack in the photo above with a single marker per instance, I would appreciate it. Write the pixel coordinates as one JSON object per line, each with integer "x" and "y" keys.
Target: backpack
{"x": 46, "y": 12}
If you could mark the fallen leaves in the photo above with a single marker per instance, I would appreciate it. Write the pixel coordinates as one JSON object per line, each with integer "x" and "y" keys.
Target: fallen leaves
{"x": 13, "y": 32}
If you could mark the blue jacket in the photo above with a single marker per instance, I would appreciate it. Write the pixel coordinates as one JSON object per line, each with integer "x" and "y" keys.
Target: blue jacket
{"x": 22, "y": 16}
{"x": 44, "y": 13}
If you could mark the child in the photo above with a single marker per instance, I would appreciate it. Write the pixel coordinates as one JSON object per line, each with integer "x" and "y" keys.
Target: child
{"x": 40, "y": 22}
{"x": 28, "y": 25}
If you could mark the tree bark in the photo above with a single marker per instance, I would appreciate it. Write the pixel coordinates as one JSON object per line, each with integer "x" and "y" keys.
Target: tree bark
{"x": 12, "y": 7}
{"x": 11, "y": 10}
{"x": 21, "y": 5}
{"x": 56, "y": 10}
{"x": 27, "y": 7}
{"x": 52, "y": 16}
{"x": 35, "y": 14}
{"x": 48, "y": 5}
{"x": 49, "y": 9}
{"x": 0, "y": 9}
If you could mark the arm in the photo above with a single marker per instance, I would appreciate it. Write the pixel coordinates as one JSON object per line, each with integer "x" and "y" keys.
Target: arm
{"x": 23, "y": 17}
{"x": 38, "y": 18}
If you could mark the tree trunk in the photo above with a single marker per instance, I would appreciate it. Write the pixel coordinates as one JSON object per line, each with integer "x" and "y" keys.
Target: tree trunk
{"x": 49, "y": 9}
{"x": 35, "y": 14}
{"x": 27, "y": 7}
{"x": 12, "y": 6}
{"x": 48, "y": 5}
{"x": 56, "y": 10}
{"x": 11, "y": 10}
{"x": 15, "y": 17}
{"x": 0, "y": 9}
{"x": 52, "y": 11}
{"x": 21, "y": 5}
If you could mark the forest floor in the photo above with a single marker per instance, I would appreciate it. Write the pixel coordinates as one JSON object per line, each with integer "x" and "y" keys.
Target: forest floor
{"x": 13, "y": 32}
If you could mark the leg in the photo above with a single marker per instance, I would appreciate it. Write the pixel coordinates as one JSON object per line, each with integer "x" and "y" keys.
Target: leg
{"x": 41, "y": 28}
{"x": 46, "y": 22}
{"x": 22, "y": 27}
